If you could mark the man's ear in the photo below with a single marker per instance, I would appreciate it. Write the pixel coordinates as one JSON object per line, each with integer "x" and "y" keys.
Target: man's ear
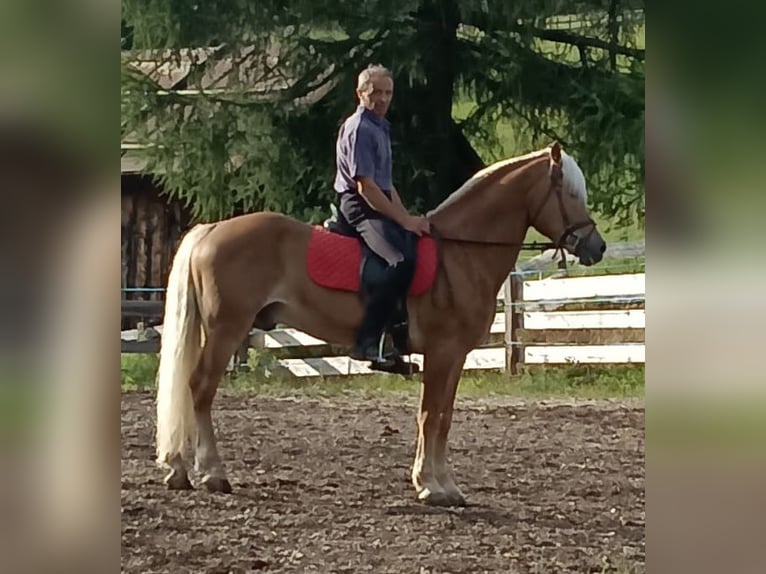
{"x": 556, "y": 152}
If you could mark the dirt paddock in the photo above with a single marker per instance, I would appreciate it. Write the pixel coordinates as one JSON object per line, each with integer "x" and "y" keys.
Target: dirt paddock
{"x": 322, "y": 485}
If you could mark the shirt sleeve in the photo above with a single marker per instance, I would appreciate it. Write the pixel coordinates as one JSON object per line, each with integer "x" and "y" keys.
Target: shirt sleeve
{"x": 363, "y": 153}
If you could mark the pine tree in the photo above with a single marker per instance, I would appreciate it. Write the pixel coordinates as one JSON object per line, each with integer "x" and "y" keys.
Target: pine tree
{"x": 251, "y": 121}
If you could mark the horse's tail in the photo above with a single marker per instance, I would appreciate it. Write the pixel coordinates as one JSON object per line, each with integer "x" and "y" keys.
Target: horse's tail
{"x": 180, "y": 350}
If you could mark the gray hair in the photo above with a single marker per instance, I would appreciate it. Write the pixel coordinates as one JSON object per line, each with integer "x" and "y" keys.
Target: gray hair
{"x": 364, "y": 83}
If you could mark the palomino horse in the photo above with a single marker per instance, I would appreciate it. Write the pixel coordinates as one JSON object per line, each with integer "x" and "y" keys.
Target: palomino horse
{"x": 252, "y": 270}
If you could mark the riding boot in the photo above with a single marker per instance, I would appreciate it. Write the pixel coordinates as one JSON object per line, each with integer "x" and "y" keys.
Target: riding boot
{"x": 370, "y": 333}
{"x": 398, "y": 326}
{"x": 398, "y": 319}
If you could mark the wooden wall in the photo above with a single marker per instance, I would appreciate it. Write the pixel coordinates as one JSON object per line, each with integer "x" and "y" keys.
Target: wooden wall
{"x": 152, "y": 226}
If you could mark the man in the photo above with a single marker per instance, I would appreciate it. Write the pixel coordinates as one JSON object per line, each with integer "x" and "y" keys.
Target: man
{"x": 369, "y": 203}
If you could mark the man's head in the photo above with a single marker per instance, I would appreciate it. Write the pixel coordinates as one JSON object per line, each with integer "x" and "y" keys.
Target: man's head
{"x": 375, "y": 89}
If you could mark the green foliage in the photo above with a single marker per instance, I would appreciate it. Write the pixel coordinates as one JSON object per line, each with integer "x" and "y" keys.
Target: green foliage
{"x": 615, "y": 165}
{"x": 265, "y": 138}
{"x": 138, "y": 371}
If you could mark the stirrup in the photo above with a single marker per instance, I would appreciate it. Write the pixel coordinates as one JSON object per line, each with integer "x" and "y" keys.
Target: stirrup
{"x": 376, "y": 356}
{"x": 397, "y": 366}
{"x": 381, "y": 345}
{"x": 400, "y": 337}
{"x": 393, "y": 362}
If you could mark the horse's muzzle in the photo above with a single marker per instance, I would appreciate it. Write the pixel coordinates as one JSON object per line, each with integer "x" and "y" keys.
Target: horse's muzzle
{"x": 590, "y": 249}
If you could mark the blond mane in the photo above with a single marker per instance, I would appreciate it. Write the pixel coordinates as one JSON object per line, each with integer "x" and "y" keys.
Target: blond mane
{"x": 574, "y": 180}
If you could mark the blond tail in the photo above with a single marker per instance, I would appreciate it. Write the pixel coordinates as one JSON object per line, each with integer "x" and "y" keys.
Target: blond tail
{"x": 179, "y": 354}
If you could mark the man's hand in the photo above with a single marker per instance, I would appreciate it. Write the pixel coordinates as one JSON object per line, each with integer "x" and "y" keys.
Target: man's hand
{"x": 417, "y": 224}
{"x": 392, "y": 208}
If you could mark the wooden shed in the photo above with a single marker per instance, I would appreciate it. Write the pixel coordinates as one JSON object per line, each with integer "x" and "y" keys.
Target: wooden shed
{"x": 152, "y": 225}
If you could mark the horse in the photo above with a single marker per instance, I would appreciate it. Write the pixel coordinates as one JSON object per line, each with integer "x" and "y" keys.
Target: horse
{"x": 251, "y": 270}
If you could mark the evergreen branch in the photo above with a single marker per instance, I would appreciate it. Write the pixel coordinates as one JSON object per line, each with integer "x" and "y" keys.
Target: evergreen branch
{"x": 564, "y": 37}
{"x": 538, "y": 126}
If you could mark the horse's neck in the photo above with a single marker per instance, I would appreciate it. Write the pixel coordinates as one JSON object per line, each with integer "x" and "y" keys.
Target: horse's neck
{"x": 492, "y": 211}
{"x": 489, "y": 224}
{"x": 486, "y": 220}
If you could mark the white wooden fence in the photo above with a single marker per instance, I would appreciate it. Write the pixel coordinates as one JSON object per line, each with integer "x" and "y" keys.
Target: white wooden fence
{"x": 590, "y": 319}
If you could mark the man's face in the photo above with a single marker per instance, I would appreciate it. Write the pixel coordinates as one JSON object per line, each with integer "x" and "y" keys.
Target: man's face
{"x": 378, "y": 98}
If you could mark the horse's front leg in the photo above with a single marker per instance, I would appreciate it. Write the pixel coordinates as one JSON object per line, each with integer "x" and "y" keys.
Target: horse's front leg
{"x": 440, "y": 375}
{"x": 441, "y": 467}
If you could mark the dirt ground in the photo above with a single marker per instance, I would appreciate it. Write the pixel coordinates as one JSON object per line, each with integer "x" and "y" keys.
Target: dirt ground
{"x": 323, "y": 485}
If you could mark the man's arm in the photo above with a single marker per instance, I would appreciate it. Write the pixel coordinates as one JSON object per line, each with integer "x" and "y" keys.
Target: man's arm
{"x": 363, "y": 168}
{"x": 375, "y": 197}
{"x": 397, "y": 200}
{"x": 419, "y": 223}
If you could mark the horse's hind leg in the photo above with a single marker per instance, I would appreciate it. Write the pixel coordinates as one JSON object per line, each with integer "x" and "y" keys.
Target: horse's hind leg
{"x": 220, "y": 345}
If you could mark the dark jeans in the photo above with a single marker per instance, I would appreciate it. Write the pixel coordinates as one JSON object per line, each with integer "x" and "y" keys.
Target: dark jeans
{"x": 388, "y": 272}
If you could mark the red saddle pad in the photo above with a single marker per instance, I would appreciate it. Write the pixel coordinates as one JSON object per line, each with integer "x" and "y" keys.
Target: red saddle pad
{"x": 333, "y": 261}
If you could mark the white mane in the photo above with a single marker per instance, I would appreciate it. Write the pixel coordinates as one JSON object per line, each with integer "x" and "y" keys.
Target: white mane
{"x": 574, "y": 180}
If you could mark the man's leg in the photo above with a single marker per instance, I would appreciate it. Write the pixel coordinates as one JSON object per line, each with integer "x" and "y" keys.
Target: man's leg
{"x": 397, "y": 324}
{"x": 383, "y": 287}
{"x": 392, "y": 270}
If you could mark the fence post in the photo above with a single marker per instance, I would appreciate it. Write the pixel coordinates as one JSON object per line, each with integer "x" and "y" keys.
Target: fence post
{"x": 514, "y": 321}
{"x": 243, "y": 355}
{"x": 256, "y": 339}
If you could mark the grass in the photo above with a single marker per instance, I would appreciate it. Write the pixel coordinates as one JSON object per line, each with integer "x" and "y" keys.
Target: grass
{"x": 572, "y": 381}
{"x": 138, "y": 371}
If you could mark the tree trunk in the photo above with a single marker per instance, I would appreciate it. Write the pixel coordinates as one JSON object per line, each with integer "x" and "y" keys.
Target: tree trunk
{"x": 466, "y": 161}
{"x": 444, "y": 150}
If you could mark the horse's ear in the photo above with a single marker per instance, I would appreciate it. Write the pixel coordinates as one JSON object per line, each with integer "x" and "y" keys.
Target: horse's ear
{"x": 556, "y": 152}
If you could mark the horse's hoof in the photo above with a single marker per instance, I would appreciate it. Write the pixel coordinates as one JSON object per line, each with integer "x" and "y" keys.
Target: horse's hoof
{"x": 434, "y": 497}
{"x": 217, "y": 484}
{"x": 456, "y": 498}
{"x": 178, "y": 481}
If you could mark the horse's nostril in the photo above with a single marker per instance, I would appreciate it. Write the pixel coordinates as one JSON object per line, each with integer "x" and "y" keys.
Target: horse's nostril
{"x": 603, "y": 247}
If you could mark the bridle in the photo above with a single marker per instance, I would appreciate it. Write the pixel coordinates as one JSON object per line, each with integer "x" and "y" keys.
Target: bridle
{"x": 569, "y": 227}
{"x": 560, "y": 245}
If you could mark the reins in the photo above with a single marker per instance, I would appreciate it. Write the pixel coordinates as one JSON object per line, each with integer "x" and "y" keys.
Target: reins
{"x": 531, "y": 246}
{"x": 559, "y": 246}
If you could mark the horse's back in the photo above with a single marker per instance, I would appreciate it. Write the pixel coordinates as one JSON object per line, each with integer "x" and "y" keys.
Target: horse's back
{"x": 262, "y": 222}
{"x": 261, "y": 229}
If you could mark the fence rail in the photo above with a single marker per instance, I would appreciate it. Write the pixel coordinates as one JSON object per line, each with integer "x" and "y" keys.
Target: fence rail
{"x": 589, "y": 319}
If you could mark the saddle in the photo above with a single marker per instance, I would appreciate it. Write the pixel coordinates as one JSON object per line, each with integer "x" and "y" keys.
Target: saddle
{"x": 339, "y": 259}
